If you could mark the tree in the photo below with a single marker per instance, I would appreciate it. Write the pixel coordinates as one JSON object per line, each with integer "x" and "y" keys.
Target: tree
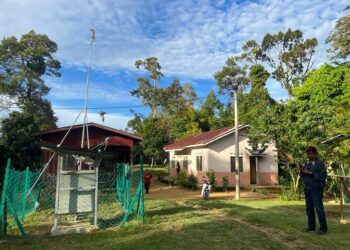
{"x": 323, "y": 107}
{"x": 23, "y": 64}
{"x": 339, "y": 39}
{"x": 233, "y": 70}
{"x": 254, "y": 105}
{"x": 153, "y": 132}
{"x": 17, "y": 134}
{"x": 288, "y": 56}
{"x": 102, "y": 116}
{"x": 209, "y": 113}
{"x": 148, "y": 86}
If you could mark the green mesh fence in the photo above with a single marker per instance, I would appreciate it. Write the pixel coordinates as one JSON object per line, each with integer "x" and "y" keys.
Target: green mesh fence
{"x": 120, "y": 199}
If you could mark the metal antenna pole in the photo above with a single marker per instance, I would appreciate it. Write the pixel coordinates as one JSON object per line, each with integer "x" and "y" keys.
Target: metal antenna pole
{"x": 92, "y": 40}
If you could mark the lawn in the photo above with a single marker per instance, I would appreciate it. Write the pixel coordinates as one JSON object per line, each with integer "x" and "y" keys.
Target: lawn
{"x": 213, "y": 224}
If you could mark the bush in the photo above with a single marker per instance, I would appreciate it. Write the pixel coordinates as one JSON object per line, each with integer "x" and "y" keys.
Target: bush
{"x": 288, "y": 195}
{"x": 181, "y": 179}
{"x": 192, "y": 182}
{"x": 212, "y": 179}
{"x": 225, "y": 183}
{"x": 172, "y": 181}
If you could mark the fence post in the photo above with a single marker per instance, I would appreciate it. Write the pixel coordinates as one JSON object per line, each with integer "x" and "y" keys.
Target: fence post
{"x": 3, "y": 213}
{"x": 26, "y": 184}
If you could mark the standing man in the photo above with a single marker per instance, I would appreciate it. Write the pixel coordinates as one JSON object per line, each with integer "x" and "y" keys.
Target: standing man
{"x": 314, "y": 174}
{"x": 147, "y": 180}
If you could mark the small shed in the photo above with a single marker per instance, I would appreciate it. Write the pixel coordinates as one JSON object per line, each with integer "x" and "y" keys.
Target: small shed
{"x": 117, "y": 142}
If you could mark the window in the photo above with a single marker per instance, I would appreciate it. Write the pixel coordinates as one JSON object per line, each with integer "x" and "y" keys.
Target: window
{"x": 233, "y": 164}
{"x": 199, "y": 162}
{"x": 185, "y": 162}
{"x": 69, "y": 163}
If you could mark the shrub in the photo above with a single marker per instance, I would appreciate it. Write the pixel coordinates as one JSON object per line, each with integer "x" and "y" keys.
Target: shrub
{"x": 192, "y": 182}
{"x": 288, "y": 195}
{"x": 172, "y": 181}
{"x": 181, "y": 179}
{"x": 212, "y": 179}
{"x": 225, "y": 183}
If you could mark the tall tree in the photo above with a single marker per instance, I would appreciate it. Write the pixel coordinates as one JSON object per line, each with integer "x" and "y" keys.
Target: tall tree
{"x": 148, "y": 89}
{"x": 237, "y": 73}
{"x": 209, "y": 112}
{"x": 288, "y": 55}
{"x": 254, "y": 106}
{"x": 339, "y": 39}
{"x": 23, "y": 64}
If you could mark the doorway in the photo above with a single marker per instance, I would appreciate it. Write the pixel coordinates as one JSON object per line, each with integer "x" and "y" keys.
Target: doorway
{"x": 252, "y": 170}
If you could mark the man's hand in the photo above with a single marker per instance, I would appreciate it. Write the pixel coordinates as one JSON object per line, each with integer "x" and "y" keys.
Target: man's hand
{"x": 305, "y": 170}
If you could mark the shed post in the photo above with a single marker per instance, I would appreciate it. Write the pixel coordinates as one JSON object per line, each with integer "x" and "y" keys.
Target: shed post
{"x": 58, "y": 184}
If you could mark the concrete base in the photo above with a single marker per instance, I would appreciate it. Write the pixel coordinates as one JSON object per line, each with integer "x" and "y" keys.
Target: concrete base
{"x": 78, "y": 228}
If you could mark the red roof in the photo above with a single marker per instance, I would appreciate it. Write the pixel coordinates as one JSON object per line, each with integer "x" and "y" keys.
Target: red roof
{"x": 201, "y": 139}
{"x": 92, "y": 124}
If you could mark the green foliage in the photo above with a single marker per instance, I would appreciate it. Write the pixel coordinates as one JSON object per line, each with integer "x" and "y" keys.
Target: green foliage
{"x": 192, "y": 182}
{"x": 238, "y": 77}
{"x": 23, "y": 64}
{"x": 288, "y": 195}
{"x": 102, "y": 116}
{"x": 225, "y": 183}
{"x": 148, "y": 89}
{"x": 186, "y": 181}
{"x": 339, "y": 39}
{"x": 17, "y": 134}
{"x": 172, "y": 181}
{"x": 181, "y": 179}
{"x": 153, "y": 132}
{"x": 257, "y": 101}
{"x": 288, "y": 56}
{"x": 212, "y": 179}
{"x": 209, "y": 112}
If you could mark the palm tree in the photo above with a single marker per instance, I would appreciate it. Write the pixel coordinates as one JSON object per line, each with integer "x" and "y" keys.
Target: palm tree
{"x": 102, "y": 115}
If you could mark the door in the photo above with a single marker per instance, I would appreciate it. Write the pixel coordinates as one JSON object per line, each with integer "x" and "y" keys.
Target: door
{"x": 252, "y": 170}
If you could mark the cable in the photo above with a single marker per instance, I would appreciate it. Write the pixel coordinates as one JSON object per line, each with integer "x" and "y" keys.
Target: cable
{"x": 111, "y": 107}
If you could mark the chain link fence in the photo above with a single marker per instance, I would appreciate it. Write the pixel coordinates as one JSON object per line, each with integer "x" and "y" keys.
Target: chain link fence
{"x": 31, "y": 212}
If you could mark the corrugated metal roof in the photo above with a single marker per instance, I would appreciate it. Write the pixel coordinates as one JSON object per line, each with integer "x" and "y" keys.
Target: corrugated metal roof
{"x": 92, "y": 124}
{"x": 202, "y": 138}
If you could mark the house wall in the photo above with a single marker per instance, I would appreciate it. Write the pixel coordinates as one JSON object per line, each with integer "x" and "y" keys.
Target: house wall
{"x": 216, "y": 156}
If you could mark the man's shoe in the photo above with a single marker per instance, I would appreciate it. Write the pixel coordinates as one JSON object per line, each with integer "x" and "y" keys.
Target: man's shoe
{"x": 307, "y": 229}
{"x": 320, "y": 232}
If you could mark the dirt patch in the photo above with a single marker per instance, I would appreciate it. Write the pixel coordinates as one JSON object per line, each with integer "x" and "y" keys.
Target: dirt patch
{"x": 160, "y": 190}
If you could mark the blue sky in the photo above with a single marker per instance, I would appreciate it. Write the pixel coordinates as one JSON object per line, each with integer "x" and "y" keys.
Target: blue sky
{"x": 192, "y": 40}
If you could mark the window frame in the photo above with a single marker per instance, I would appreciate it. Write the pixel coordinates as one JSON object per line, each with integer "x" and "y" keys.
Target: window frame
{"x": 199, "y": 163}
{"x": 233, "y": 164}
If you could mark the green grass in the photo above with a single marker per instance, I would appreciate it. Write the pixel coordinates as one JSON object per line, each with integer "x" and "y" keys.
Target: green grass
{"x": 263, "y": 224}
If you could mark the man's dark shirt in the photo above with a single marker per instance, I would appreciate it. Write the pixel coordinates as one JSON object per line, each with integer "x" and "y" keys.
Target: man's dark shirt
{"x": 317, "y": 179}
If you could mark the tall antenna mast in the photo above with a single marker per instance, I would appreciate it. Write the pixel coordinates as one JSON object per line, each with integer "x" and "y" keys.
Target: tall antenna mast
{"x": 92, "y": 40}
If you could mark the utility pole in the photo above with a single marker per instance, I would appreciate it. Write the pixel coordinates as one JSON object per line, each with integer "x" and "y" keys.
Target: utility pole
{"x": 232, "y": 82}
{"x": 238, "y": 188}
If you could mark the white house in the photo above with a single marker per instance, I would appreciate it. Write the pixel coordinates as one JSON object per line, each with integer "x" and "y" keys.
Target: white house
{"x": 215, "y": 150}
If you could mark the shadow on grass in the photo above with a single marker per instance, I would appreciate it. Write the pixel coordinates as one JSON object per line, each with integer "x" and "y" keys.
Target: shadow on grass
{"x": 213, "y": 225}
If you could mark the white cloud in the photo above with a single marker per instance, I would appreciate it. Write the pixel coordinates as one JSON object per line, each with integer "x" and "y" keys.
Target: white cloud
{"x": 66, "y": 117}
{"x": 192, "y": 39}
{"x": 97, "y": 92}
